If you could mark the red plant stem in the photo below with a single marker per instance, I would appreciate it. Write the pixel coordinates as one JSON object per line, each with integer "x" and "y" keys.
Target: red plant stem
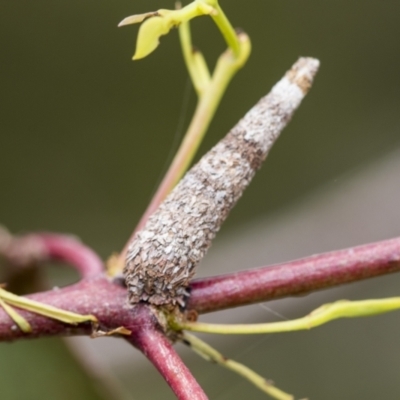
{"x": 107, "y": 301}
{"x": 95, "y": 296}
{"x": 23, "y": 251}
{"x": 71, "y": 251}
{"x": 295, "y": 277}
{"x": 158, "y": 349}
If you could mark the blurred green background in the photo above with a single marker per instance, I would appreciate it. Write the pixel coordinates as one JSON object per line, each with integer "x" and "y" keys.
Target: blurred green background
{"x": 86, "y": 134}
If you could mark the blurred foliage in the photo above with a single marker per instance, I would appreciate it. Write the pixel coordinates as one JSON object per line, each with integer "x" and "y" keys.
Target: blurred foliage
{"x": 83, "y": 141}
{"x": 45, "y": 370}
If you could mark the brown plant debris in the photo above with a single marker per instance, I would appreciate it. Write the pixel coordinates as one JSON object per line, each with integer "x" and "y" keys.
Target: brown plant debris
{"x": 162, "y": 257}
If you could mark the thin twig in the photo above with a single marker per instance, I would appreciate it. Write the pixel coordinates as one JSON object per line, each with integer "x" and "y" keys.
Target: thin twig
{"x": 71, "y": 251}
{"x": 158, "y": 349}
{"x": 295, "y": 277}
{"x": 21, "y": 251}
{"x": 31, "y": 249}
{"x": 321, "y": 315}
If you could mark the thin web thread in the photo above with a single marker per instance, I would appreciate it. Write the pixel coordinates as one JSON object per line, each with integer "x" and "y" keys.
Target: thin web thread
{"x": 178, "y": 131}
{"x": 274, "y": 312}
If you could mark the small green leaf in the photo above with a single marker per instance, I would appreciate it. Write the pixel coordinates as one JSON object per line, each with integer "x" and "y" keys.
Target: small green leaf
{"x": 161, "y": 22}
{"x": 149, "y": 35}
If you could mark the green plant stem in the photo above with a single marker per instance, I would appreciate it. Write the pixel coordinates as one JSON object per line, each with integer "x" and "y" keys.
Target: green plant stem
{"x": 320, "y": 316}
{"x": 226, "y": 29}
{"x": 194, "y": 60}
{"x": 210, "y": 354}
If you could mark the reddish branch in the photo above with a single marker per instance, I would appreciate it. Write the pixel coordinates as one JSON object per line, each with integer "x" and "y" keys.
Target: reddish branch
{"x": 94, "y": 294}
{"x": 90, "y": 296}
{"x": 36, "y": 248}
{"x": 107, "y": 300}
{"x": 296, "y": 277}
{"x": 153, "y": 343}
{"x": 71, "y": 251}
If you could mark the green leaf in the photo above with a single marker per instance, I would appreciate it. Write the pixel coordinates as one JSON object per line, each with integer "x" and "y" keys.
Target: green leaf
{"x": 149, "y": 35}
{"x": 161, "y": 22}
